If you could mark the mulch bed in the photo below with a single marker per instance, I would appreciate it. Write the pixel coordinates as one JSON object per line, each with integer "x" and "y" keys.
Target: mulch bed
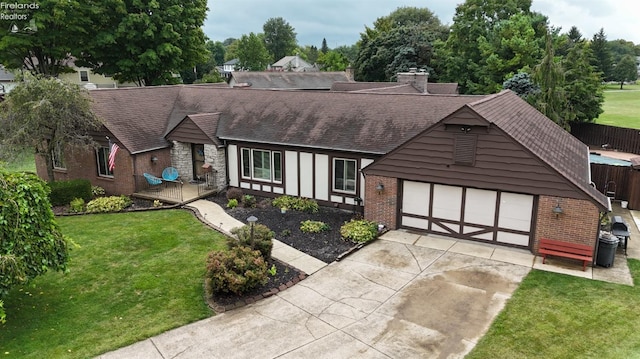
{"x": 326, "y": 246}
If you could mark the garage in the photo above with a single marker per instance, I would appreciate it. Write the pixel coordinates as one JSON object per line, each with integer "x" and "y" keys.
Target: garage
{"x": 477, "y": 214}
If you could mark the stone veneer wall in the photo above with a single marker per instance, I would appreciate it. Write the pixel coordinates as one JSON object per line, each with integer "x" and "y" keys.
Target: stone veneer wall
{"x": 182, "y": 160}
{"x": 381, "y": 207}
{"x": 216, "y": 157}
{"x": 579, "y": 222}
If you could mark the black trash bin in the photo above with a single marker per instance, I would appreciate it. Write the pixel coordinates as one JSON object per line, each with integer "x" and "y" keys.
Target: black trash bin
{"x": 607, "y": 245}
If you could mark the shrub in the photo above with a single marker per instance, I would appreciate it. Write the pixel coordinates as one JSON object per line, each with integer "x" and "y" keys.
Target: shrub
{"x": 77, "y": 205}
{"x": 248, "y": 201}
{"x": 309, "y": 226}
{"x": 97, "y": 191}
{"x": 359, "y": 231}
{"x": 233, "y": 203}
{"x": 262, "y": 239}
{"x": 296, "y": 203}
{"x": 108, "y": 204}
{"x": 237, "y": 271}
{"x": 234, "y": 193}
{"x": 63, "y": 192}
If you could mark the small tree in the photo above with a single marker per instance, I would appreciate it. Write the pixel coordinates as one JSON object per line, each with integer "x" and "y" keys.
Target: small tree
{"x": 625, "y": 70}
{"x": 45, "y": 114}
{"x": 30, "y": 241}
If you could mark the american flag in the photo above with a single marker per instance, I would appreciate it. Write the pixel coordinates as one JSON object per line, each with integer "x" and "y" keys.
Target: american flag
{"x": 112, "y": 156}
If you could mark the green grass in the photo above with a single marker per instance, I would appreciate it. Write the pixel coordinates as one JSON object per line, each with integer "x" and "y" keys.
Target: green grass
{"x": 621, "y": 108}
{"x": 134, "y": 275}
{"x": 24, "y": 162}
{"x": 558, "y": 316}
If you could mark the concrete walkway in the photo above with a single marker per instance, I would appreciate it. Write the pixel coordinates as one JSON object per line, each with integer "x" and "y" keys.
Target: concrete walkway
{"x": 215, "y": 216}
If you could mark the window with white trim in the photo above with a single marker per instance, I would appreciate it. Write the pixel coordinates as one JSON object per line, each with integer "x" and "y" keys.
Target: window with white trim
{"x": 261, "y": 165}
{"x": 344, "y": 175}
{"x": 102, "y": 156}
{"x": 84, "y": 76}
{"x": 57, "y": 157}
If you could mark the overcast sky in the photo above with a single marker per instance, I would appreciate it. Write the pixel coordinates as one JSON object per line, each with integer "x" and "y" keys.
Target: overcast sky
{"x": 342, "y": 21}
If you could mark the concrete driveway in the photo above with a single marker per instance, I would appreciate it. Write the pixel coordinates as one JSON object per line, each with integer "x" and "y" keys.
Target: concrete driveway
{"x": 395, "y": 298}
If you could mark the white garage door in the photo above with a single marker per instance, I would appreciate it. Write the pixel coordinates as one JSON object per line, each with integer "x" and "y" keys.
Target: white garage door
{"x": 485, "y": 215}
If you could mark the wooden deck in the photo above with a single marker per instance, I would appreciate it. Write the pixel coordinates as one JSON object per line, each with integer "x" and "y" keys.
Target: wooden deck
{"x": 175, "y": 192}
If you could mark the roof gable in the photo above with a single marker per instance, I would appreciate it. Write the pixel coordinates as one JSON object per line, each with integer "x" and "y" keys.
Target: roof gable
{"x": 197, "y": 128}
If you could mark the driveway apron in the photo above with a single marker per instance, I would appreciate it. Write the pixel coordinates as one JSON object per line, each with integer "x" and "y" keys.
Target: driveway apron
{"x": 388, "y": 300}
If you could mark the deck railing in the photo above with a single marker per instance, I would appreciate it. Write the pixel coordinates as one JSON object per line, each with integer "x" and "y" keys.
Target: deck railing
{"x": 166, "y": 190}
{"x": 207, "y": 183}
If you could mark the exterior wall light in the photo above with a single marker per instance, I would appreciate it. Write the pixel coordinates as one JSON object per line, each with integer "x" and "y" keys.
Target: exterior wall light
{"x": 557, "y": 210}
{"x": 154, "y": 159}
{"x": 379, "y": 188}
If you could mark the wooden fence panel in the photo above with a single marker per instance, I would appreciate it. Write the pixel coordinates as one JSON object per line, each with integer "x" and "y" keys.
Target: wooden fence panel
{"x": 617, "y": 138}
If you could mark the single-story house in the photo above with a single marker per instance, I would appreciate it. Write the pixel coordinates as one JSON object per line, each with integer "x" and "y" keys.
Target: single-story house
{"x": 408, "y": 82}
{"x": 483, "y": 168}
{"x": 293, "y": 64}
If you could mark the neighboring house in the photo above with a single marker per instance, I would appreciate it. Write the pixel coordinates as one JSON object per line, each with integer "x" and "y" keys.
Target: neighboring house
{"x": 286, "y": 80}
{"x": 7, "y": 80}
{"x": 483, "y": 168}
{"x": 408, "y": 82}
{"x": 293, "y": 64}
{"x": 85, "y": 77}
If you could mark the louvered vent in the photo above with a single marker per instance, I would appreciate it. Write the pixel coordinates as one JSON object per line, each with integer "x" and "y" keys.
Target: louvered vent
{"x": 465, "y": 149}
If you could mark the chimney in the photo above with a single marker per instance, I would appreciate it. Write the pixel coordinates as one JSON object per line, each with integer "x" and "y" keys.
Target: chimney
{"x": 417, "y": 79}
{"x": 350, "y": 73}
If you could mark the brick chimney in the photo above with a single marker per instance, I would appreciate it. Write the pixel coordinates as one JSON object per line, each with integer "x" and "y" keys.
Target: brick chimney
{"x": 417, "y": 79}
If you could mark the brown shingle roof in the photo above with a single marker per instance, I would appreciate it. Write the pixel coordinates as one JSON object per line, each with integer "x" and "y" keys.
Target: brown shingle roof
{"x": 359, "y": 122}
{"x": 288, "y": 80}
{"x": 542, "y": 137}
{"x": 136, "y": 116}
{"x": 395, "y": 87}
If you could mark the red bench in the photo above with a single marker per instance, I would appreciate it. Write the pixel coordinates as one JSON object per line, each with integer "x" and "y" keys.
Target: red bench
{"x": 553, "y": 247}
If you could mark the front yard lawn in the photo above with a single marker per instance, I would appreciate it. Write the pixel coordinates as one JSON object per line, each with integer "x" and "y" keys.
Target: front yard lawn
{"x": 134, "y": 275}
{"x": 558, "y": 316}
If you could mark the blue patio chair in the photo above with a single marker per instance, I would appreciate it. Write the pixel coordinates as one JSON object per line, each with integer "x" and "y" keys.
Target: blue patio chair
{"x": 152, "y": 180}
{"x": 170, "y": 174}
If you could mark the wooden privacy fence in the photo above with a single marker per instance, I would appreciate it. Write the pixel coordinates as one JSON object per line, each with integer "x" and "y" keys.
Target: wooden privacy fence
{"x": 625, "y": 179}
{"x": 617, "y": 138}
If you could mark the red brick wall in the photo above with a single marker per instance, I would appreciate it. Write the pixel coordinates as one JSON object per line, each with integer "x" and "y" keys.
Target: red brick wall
{"x": 381, "y": 207}
{"x": 579, "y": 222}
{"x": 83, "y": 164}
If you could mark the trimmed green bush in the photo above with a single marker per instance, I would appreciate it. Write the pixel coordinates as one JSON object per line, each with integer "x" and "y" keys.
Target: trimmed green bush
{"x": 97, "y": 191}
{"x": 296, "y": 203}
{"x": 63, "y": 192}
{"x": 77, "y": 205}
{"x": 233, "y": 203}
{"x": 235, "y": 271}
{"x": 359, "y": 231}
{"x": 108, "y": 204}
{"x": 262, "y": 239}
{"x": 310, "y": 226}
{"x": 248, "y": 201}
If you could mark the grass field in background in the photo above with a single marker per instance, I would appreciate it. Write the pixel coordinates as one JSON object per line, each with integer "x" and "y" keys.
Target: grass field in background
{"x": 621, "y": 107}
{"x": 24, "y": 162}
{"x": 132, "y": 276}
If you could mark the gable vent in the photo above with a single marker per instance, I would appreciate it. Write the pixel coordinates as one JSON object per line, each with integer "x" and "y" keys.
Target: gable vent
{"x": 465, "y": 149}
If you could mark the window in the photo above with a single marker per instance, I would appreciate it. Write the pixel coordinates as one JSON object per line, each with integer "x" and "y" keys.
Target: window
{"x": 102, "y": 155}
{"x": 57, "y": 157}
{"x": 84, "y": 76}
{"x": 344, "y": 175}
{"x": 261, "y": 165}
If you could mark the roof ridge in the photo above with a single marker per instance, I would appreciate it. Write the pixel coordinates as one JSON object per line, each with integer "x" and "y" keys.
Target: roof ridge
{"x": 488, "y": 97}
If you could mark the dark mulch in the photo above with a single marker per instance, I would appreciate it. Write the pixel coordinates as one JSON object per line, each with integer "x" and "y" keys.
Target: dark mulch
{"x": 326, "y": 246}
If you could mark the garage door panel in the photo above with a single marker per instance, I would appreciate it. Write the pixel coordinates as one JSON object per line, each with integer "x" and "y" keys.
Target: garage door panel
{"x": 515, "y": 211}
{"x": 447, "y": 202}
{"x": 513, "y": 238}
{"x": 480, "y": 206}
{"x": 415, "y": 222}
{"x": 416, "y": 198}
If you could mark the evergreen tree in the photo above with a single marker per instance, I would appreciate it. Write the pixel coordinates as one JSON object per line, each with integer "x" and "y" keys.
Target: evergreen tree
{"x": 324, "y": 48}
{"x": 602, "y": 57}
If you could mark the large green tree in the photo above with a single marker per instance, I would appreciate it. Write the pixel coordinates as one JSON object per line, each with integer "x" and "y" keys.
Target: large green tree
{"x": 46, "y": 115}
{"x": 397, "y": 42}
{"x": 215, "y": 57}
{"x": 279, "y": 38}
{"x": 42, "y": 42}
{"x": 252, "y": 55}
{"x": 144, "y": 41}
{"x": 461, "y": 58}
{"x": 332, "y": 61}
{"x": 625, "y": 70}
{"x": 30, "y": 241}
{"x": 602, "y": 56}
{"x": 582, "y": 84}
